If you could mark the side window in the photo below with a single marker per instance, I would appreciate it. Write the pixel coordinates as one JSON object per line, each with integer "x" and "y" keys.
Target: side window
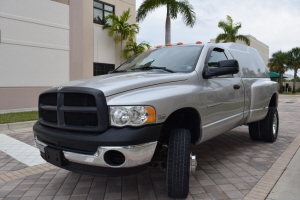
{"x": 216, "y": 56}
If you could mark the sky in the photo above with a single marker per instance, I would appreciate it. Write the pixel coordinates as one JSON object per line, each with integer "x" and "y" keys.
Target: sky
{"x": 274, "y": 22}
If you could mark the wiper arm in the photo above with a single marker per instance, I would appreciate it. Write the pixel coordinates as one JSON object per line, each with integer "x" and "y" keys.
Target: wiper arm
{"x": 153, "y": 67}
{"x": 117, "y": 71}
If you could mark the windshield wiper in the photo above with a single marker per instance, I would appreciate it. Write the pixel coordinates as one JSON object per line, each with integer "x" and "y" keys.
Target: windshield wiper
{"x": 153, "y": 67}
{"x": 117, "y": 71}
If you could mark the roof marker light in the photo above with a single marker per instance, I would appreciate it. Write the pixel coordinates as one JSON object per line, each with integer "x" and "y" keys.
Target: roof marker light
{"x": 198, "y": 42}
{"x": 159, "y": 47}
{"x": 179, "y": 43}
{"x": 168, "y": 45}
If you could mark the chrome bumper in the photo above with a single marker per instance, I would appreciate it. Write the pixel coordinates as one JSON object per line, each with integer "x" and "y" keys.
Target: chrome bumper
{"x": 135, "y": 155}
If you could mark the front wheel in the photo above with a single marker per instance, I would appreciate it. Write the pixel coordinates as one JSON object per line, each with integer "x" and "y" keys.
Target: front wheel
{"x": 178, "y": 163}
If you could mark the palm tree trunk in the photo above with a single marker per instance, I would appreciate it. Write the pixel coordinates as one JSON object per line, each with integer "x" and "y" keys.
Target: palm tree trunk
{"x": 295, "y": 77}
{"x": 168, "y": 27}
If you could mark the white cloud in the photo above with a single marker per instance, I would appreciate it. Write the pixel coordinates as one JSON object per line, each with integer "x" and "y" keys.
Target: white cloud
{"x": 274, "y": 22}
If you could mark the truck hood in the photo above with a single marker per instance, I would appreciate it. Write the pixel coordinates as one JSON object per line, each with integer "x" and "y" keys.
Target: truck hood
{"x": 111, "y": 84}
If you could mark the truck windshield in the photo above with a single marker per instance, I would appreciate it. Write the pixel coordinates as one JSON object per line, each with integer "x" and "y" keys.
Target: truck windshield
{"x": 169, "y": 59}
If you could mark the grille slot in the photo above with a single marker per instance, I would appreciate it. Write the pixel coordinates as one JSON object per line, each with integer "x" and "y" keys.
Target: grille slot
{"x": 79, "y": 99}
{"x": 81, "y": 119}
{"x": 49, "y": 116}
{"x": 49, "y": 99}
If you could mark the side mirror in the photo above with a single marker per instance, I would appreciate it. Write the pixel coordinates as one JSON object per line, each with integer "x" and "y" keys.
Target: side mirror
{"x": 225, "y": 67}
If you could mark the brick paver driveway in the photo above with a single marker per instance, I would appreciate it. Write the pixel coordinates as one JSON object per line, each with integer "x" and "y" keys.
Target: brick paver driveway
{"x": 229, "y": 166}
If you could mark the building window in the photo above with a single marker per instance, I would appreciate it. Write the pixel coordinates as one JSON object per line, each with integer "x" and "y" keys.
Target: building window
{"x": 101, "y": 10}
{"x": 101, "y": 68}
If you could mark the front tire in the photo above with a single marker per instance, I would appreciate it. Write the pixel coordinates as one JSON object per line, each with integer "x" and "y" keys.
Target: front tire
{"x": 178, "y": 163}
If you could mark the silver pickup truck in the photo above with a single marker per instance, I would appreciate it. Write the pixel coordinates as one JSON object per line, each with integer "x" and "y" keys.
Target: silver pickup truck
{"x": 153, "y": 107}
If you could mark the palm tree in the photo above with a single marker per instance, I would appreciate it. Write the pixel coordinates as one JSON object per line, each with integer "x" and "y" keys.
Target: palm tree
{"x": 174, "y": 7}
{"x": 231, "y": 32}
{"x": 294, "y": 63}
{"x": 278, "y": 64}
{"x": 120, "y": 29}
{"x": 132, "y": 48}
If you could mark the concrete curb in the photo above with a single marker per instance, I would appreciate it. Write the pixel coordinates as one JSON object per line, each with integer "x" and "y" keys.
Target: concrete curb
{"x": 4, "y": 128}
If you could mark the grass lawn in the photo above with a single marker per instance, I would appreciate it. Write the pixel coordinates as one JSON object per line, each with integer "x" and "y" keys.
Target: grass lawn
{"x": 18, "y": 117}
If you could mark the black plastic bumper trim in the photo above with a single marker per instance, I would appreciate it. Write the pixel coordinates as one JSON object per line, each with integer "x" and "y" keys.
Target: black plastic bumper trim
{"x": 90, "y": 141}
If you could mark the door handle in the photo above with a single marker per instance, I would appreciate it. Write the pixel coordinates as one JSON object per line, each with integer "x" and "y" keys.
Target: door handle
{"x": 236, "y": 87}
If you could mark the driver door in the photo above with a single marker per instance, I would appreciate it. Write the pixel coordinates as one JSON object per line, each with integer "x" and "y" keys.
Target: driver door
{"x": 223, "y": 98}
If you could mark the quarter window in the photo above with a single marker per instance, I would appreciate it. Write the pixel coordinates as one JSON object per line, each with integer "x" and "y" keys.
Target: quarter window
{"x": 101, "y": 10}
{"x": 216, "y": 56}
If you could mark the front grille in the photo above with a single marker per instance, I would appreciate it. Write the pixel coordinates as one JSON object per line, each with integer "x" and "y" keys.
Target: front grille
{"x": 74, "y": 108}
{"x": 81, "y": 119}
{"x": 49, "y": 99}
{"x": 49, "y": 115}
{"x": 79, "y": 99}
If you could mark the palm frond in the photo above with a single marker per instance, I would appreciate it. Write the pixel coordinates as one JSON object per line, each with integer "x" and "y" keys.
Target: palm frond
{"x": 125, "y": 16}
{"x": 221, "y": 37}
{"x": 186, "y": 9}
{"x": 223, "y": 25}
{"x": 132, "y": 48}
{"x": 243, "y": 38}
{"x": 236, "y": 27}
{"x": 147, "y": 7}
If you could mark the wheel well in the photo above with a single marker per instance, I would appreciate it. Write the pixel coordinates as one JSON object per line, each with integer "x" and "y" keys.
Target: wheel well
{"x": 274, "y": 101}
{"x": 187, "y": 118}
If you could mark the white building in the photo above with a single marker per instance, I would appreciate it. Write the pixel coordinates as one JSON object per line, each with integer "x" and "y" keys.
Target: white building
{"x": 44, "y": 43}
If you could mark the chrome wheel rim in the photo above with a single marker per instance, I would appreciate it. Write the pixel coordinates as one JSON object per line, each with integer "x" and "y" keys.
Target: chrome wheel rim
{"x": 275, "y": 121}
{"x": 193, "y": 163}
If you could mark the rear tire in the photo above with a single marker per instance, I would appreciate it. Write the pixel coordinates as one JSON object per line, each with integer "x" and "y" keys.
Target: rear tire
{"x": 270, "y": 125}
{"x": 255, "y": 131}
{"x": 178, "y": 164}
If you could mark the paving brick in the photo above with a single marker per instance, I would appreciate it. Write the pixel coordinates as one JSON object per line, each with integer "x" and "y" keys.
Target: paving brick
{"x": 218, "y": 195}
{"x": 227, "y": 187}
{"x": 234, "y": 194}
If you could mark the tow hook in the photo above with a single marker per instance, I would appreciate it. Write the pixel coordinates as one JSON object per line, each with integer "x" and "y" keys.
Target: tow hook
{"x": 193, "y": 163}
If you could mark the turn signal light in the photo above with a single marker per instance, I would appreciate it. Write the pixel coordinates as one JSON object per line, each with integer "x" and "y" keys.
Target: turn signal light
{"x": 151, "y": 114}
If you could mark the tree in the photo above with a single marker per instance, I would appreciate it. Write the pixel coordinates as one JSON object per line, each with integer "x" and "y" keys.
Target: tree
{"x": 174, "y": 7}
{"x": 132, "y": 48}
{"x": 278, "y": 64}
{"x": 120, "y": 29}
{"x": 293, "y": 63}
{"x": 231, "y": 32}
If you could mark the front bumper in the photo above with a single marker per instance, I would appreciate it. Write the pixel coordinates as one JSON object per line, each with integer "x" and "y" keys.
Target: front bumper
{"x": 135, "y": 155}
{"x": 85, "y": 152}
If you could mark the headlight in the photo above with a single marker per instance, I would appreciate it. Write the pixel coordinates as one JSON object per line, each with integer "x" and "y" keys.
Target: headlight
{"x": 131, "y": 115}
